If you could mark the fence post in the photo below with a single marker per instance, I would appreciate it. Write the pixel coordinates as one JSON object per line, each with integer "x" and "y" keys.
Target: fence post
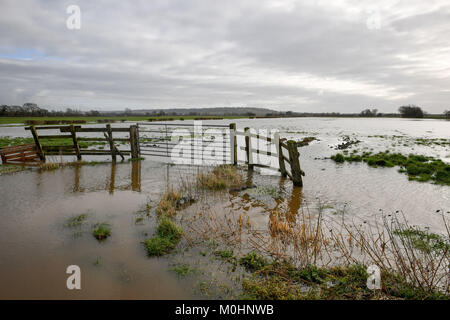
{"x": 295, "y": 163}
{"x": 138, "y": 145}
{"x": 279, "y": 148}
{"x": 134, "y": 142}
{"x": 224, "y": 147}
{"x": 111, "y": 142}
{"x": 248, "y": 147}
{"x": 233, "y": 143}
{"x": 38, "y": 144}
{"x": 75, "y": 142}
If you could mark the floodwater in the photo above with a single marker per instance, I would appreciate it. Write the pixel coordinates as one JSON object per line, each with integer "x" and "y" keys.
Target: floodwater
{"x": 36, "y": 247}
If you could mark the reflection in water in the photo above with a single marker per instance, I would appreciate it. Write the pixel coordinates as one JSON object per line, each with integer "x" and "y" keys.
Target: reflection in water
{"x": 76, "y": 185}
{"x": 36, "y": 245}
{"x": 134, "y": 185}
{"x": 136, "y": 176}
{"x": 294, "y": 203}
{"x": 284, "y": 214}
{"x": 112, "y": 178}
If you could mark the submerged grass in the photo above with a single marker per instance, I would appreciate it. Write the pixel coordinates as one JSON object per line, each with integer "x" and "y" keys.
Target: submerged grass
{"x": 424, "y": 240}
{"x": 167, "y": 237}
{"x": 182, "y": 269}
{"x": 417, "y": 167}
{"x": 49, "y": 166}
{"x": 253, "y": 261}
{"x": 220, "y": 178}
{"x": 77, "y": 221}
{"x": 10, "y": 168}
{"x": 101, "y": 231}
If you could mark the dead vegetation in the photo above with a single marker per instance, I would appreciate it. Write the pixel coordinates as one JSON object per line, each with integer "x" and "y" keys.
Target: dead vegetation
{"x": 307, "y": 242}
{"x": 306, "y": 239}
{"x": 220, "y": 178}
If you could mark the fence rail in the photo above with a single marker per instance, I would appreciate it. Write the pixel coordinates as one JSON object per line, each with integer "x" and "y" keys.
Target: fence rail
{"x": 74, "y": 148}
{"x": 20, "y": 154}
{"x": 158, "y": 140}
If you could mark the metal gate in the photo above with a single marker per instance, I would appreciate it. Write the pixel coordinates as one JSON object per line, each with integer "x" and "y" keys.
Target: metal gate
{"x": 188, "y": 143}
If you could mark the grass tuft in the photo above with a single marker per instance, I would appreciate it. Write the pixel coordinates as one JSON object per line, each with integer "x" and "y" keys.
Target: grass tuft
{"x": 101, "y": 231}
{"x": 77, "y": 220}
{"x": 424, "y": 240}
{"x": 253, "y": 261}
{"x": 220, "y": 178}
{"x": 167, "y": 237}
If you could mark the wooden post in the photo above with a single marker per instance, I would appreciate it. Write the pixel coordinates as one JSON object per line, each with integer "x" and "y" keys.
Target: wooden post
{"x": 76, "y": 146}
{"x": 233, "y": 144}
{"x": 138, "y": 145}
{"x": 295, "y": 163}
{"x": 279, "y": 148}
{"x": 111, "y": 142}
{"x": 224, "y": 147}
{"x": 248, "y": 147}
{"x": 38, "y": 144}
{"x": 134, "y": 142}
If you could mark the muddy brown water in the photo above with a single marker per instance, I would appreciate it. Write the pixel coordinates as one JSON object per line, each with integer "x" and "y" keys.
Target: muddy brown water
{"x": 36, "y": 247}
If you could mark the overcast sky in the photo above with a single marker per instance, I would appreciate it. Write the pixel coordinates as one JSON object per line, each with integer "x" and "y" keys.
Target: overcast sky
{"x": 308, "y": 55}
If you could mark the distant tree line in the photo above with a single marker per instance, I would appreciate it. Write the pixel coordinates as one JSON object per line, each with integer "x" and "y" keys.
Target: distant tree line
{"x": 32, "y": 110}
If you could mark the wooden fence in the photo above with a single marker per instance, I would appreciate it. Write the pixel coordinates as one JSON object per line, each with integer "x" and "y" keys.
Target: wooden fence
{"x": 20, "y": 154}
{"x": 293, "y": 171}
{"x": 160, "y": 146}
{"x": 73, "y": 149}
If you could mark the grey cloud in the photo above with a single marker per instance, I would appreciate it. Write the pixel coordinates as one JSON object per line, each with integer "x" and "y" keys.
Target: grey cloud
{"x": 311, "y": 56}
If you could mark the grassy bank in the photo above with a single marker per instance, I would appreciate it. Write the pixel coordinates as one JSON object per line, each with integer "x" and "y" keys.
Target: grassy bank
{"x": 283, "y": 281}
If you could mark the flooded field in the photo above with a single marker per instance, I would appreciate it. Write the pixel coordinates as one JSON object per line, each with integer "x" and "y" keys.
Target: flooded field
{"x": 36, "y": 245}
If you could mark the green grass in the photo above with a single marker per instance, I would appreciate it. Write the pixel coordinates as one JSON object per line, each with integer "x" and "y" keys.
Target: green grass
{"x": 10, "y": 168}
{"x": 21, "y": 120}
{"x": 283, "y": 281}
{"x": 167, "y": 237}
{"x": 77, "y": 220}
{"x": 424, "y": 240}
{"x": 7, "y": 141}
{"x": 182, "y": 270}
{"x": 224, "y": 254}
{"x": 253, "y": 261}
{"x": 101, "y": 231}
{"x": 417, "y": 167}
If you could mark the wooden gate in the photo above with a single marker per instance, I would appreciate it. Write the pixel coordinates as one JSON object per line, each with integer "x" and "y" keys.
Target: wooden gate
{"x": 20, "y": 154}
{"x": 160, "y": 140}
